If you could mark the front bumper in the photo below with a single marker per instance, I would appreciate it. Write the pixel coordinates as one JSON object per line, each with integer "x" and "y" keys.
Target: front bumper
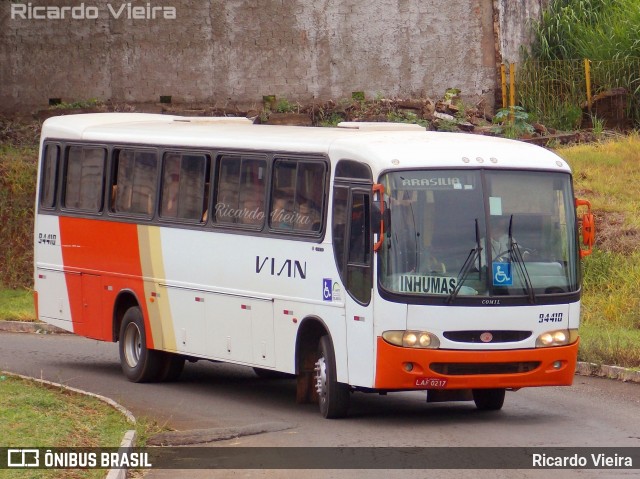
{"x": 454, "y": 369}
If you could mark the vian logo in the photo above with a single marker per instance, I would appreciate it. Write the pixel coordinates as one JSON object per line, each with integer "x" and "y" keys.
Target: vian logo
{"x": 288, "y": 267}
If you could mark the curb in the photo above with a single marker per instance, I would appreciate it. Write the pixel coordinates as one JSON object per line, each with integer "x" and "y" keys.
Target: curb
{"x": 609, "y": 372}
{"x": 36, "y": 327}
{"x": 129, "y": 437}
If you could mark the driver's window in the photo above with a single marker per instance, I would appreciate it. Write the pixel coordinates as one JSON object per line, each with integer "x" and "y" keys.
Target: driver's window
{"x": 359, "y": 278}
{"x": 352, "y": 240}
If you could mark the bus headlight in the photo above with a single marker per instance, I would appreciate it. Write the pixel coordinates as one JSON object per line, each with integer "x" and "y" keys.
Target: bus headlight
{"x": 559, "y": 337}
{"x": 412, "y": 339}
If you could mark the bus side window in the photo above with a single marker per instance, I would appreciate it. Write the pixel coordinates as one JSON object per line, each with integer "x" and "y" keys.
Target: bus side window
{"x": 359, "y": 278}
{"x": 252, "y": 192}
{"x": 339, "y": 226}
{"x": 299, "y": 185}
{"x": 309, "y": 196}
{"x": 352, "y": 241}
{"x": 184, "y": 186}
{"x": 49, "y": 176}
{"x": 135, "y": 181}
{"x": 241, "y": 191}
{"x": 84, "y": 171}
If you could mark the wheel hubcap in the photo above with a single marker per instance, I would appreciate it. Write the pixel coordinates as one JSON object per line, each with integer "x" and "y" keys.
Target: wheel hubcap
{"x": 321, "y": 378}
{"x": 132, "y": 345}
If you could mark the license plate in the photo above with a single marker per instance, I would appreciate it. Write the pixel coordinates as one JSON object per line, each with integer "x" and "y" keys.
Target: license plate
{"x": 434, "y": 383}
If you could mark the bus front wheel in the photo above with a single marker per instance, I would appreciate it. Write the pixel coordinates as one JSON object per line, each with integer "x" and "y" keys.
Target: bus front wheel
{"x": 333, "y": 396}
{"x": 138, "y": 363}
{"x": 489, "y": 399}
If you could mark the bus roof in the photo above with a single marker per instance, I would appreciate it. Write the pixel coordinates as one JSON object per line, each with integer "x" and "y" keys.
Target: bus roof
{"x": 383, "y": 148}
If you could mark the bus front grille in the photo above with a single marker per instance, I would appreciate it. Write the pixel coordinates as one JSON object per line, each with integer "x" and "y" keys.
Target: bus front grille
{"x": 471, "y": 369}
{"x": 481, "y": 336}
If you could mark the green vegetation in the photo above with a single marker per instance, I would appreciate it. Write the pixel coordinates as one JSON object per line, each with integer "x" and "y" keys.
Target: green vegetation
{"x": 400, "y": 116}
{"x": 17, "y": 305}
{"x": 594, "y": 29}
{"x": 552, "y": 82}
{"x": 608, "y": 174}
{"x": 34, "y": 415}
{"x": 91, "y": 103}
{"x": 513, "y": 122}
{"x": 285, "y": 106}
{"x": 17, "y": 196}
{"x": 331, "y": 120}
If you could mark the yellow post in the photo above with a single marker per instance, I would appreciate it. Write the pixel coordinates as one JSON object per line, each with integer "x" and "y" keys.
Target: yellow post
{"x": 512, "y": 89}
{"x": 587, "y": 75}
{"x": 503, "y": 76}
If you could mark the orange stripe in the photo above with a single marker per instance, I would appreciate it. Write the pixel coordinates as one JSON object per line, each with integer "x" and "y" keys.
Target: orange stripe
{"x": 100, "y": 248}
{"x": 391, "y": 361}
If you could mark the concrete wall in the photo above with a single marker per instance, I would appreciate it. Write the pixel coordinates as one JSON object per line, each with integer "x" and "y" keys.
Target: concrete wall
{"x": 515, "y": 17}
{"x": 221, "y": 51}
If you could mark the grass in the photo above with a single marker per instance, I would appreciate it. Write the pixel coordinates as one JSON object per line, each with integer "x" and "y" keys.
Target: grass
{"x": 603, "y": 31}
{"x": 608, "y": 174}
{"x": 17, "y": 305}
{"x": 595, "y": 29}
{"x": 34, "y": 415}
{"x": 17, "y": 197}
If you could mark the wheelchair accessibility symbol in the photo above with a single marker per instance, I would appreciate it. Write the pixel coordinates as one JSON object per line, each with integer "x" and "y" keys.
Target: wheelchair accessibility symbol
{"x": 502, "y": 274}
{"x": 327, "y": 289}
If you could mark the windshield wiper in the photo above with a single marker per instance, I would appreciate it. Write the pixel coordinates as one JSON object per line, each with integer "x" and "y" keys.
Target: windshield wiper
{"x": 515, "y": 254}
{"x": 466, "y": 267}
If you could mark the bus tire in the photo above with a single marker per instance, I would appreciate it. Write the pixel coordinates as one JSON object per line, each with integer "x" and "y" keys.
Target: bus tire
{"x": 489, "y": 399}
{"x": 139, "y": 364}
{"x": 333, "y": 397}
{"x": 171, "y": 367}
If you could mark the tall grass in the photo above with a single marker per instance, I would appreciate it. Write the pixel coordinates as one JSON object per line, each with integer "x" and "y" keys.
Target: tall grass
{"x": 17, "y": 196}
{"x": 551, "y": 82}
{"x": 608, "y": 174}
{"x": 594, "y": 29}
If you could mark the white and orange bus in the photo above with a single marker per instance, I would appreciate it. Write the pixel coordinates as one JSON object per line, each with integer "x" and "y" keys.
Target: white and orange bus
{"x": 367, "y": 257}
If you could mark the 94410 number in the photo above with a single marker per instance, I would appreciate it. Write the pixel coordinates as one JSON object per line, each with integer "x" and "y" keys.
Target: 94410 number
{"x": 47, "y": 238}
{"x": 550, "y": 318}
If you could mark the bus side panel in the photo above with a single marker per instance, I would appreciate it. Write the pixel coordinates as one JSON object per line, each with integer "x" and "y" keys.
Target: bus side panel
{"x": 96, "y": 248}
{"x": 53, "y": 300}
{"x": 49, "y": 282}
{"x": 158, "y": 316}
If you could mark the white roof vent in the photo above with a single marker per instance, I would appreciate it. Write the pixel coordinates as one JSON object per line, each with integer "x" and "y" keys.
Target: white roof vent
{"x": 380, "y": 126}
{"x": 236, "y": 120}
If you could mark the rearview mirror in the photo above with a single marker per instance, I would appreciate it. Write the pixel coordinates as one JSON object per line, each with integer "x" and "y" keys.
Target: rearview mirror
{"x": 587, "y": 228}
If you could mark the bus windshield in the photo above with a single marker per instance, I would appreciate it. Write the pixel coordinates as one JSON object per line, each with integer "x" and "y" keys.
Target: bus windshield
{"x": 456, "y": 233}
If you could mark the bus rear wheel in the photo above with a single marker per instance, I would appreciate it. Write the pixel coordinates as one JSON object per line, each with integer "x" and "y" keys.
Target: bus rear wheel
{"x": 333, "y": 396}
{"x": 139, "y": 364}
{"x": 489, "y": 399}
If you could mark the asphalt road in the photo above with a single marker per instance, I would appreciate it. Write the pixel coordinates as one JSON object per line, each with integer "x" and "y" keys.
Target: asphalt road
{"x": 592, "y": 413}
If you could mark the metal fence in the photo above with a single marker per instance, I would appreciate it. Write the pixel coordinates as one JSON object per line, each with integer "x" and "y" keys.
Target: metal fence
{"x": 569, "y": 94}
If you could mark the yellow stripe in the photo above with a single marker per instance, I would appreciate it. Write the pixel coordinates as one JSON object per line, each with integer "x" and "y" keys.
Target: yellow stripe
{"x": 151, "y": 260}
